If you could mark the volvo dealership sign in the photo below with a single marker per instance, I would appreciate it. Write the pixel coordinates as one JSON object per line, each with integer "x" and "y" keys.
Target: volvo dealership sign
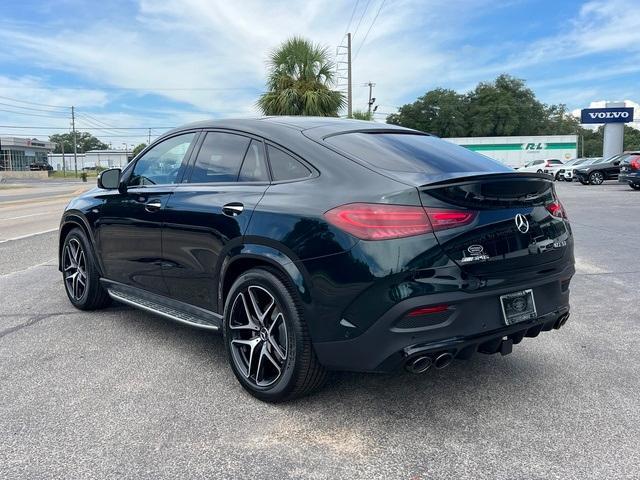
{"x": 607, "y": 115}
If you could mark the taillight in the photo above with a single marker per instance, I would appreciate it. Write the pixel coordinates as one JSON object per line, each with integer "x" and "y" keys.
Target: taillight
{"x": 556, "y": 209}
{"x": 635, "y": 163}
{"x": 377, "y": 221}
{"x": 373, "y": 221}
{"x": 443, "y": 219}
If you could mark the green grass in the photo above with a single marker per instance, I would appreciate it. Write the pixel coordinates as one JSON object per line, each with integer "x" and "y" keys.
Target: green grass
{"x": 70, "y": 175}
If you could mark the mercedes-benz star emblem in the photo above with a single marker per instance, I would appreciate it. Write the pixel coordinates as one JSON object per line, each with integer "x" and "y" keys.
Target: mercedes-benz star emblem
{"x": 522, "y": 224}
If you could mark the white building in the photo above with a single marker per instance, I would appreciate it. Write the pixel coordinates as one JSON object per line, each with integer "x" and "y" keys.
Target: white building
{"x": 91, "y": 159}
{"x": 517, "y": 151}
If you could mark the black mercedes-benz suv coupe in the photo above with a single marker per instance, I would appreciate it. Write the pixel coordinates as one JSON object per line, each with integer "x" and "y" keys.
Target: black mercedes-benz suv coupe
{"x": 319, "y": 244}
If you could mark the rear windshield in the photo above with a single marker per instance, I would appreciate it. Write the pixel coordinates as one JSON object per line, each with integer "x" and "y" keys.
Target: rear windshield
{"x": 414, "y": 153}
{"x": 554, "y": 162}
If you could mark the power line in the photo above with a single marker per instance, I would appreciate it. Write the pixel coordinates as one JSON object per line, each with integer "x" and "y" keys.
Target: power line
{"x": 355, "y": 7}
{"x": 135, "y": 89}
{"x": 34, "y": 103}
{"x": 33, "y": 114}
{"x": 95, "y": 123}
{"x": 370, "y": 27}
{"x": 361, "y": 17}
{"x": 66, "y": 128}
{"x": 95, "y": 120}
{"x": 28, "y": 108}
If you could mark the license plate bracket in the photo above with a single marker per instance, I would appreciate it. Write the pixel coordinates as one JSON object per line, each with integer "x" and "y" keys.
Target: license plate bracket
{"x": 518, "y": 307}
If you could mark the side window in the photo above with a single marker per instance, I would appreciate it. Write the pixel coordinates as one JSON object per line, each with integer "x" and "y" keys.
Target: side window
{"x": 254, "y": 166}
{"x": 161, "y": 164}
{"x": 219, "y": 158}
{"x": 284, "y": 166}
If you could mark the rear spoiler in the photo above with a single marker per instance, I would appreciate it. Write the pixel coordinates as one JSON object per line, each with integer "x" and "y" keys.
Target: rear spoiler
{"x": 464, "y": 178}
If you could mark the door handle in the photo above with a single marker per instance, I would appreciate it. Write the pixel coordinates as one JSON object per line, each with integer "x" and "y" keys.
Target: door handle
{"x": 153, "y": 206}
{"x": 233, "y": 209}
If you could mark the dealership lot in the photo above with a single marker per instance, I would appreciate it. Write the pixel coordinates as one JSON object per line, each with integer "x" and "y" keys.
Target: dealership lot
{"x": 122, "y": 393}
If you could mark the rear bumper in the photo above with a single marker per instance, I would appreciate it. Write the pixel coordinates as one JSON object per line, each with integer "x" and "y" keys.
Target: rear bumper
{"x": 629, "y": 177}
{"x": 473, "y": 323}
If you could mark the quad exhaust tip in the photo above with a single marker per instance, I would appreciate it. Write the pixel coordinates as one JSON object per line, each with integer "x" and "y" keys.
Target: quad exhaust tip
{"x": 422, "y": 363}
{"x": 419, "y": 364}
{"x": 443, "y": 360}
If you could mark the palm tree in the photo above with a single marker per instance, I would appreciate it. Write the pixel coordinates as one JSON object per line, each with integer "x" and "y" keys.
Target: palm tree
{"x": 301, "y": 75}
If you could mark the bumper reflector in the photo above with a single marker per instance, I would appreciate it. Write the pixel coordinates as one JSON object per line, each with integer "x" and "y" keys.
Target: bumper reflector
{"x": 418, "y": 312}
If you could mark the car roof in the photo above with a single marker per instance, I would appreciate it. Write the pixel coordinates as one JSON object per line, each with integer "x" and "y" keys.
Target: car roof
{"x": 285, "y": 124}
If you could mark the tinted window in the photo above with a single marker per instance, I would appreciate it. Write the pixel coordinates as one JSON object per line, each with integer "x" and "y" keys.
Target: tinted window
{"x": 414, "y": 153}
{"x": 254, "y": 166}
{"x": 555, "y": 162}
{"x": 161, "y": 164}
{"x": 284, "y": 166}
{"x": 219, "y": 158}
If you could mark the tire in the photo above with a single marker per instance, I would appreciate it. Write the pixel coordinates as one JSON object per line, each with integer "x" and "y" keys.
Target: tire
{"x": 583, "y": 182}
{"x": 271, "y": 355}
{"x": 80, "y": 274}
{"x": 596, "y": 178}
{"x": 635, "y": 186}
{"x": 539, "y": 171}
{"x": 556, "y": 178}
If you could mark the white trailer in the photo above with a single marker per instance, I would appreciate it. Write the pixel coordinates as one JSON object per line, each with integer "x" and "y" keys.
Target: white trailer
{"x": 518, "y": 151}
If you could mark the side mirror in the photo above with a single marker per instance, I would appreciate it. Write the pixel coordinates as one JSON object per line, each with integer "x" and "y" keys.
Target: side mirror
{"x": 109, "y": 179}
{"x": 616, "y": 163}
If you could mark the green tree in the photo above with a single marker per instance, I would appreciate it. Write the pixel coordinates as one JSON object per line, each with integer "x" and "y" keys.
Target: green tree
{"x": 300, "y": 81}
{"x": 593, "y": 140}
{"x": 139, "y": 148}
{"x": 362, "y": 115}
{"x": 85, "y": 142}
{"x": 441, "y": 112}
{"x": 504, "y": 107}
{"x": 631, "y": 138}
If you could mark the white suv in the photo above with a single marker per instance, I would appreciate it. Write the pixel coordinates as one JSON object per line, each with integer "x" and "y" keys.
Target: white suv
{"x": 540, "y": 166}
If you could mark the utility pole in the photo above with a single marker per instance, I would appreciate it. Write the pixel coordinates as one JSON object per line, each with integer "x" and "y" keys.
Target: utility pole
{"x": 75, "y": 143}
{"x": 371, "y": 100}
{"x": 349, "y": 94}
{"x": 149, "y": 141}
{"x": 64, "y": 167}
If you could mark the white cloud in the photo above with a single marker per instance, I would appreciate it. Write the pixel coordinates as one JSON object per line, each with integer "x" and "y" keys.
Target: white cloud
{"x": 210, "y": 55}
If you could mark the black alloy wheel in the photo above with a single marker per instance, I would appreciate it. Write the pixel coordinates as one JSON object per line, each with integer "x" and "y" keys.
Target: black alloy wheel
{"x": 74, "y": 267}
{"x": 267, "y": 340}
{"x": 80, "y": 274}
{"x": 596, "y": 178}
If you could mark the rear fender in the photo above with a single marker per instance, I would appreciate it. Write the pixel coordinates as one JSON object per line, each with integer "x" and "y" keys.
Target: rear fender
{"x": 270, "y": 256}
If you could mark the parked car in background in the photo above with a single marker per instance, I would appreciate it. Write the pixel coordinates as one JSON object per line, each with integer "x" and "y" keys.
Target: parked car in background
{"x": 538, "y": 166}
{"x": 38, "y": 166}
{"x": 566, "y": 172}
{"x": 630, "y": 170}
{"x": 552, "y": 167}
{"x": 599, "y": 171}
{"x": 319, "y": 244}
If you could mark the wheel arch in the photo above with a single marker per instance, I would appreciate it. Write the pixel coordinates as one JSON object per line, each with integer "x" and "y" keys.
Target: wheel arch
{"x": 69, "y": 222}
{"x": 253, "y": 256}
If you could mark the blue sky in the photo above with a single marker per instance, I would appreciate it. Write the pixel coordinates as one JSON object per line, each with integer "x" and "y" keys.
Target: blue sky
{"x": 161, "y": 63}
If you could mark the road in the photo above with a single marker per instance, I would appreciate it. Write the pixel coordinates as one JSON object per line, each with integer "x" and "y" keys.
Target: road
{"x": 122, "y": 394}
{"x": 34, "y": 207}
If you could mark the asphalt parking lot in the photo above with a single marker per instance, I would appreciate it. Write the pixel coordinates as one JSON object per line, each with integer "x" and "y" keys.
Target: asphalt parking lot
{"x": 120, "y": 393}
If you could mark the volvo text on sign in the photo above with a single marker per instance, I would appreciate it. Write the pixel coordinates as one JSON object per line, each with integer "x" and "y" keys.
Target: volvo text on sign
{"x": 607, "y": 115}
